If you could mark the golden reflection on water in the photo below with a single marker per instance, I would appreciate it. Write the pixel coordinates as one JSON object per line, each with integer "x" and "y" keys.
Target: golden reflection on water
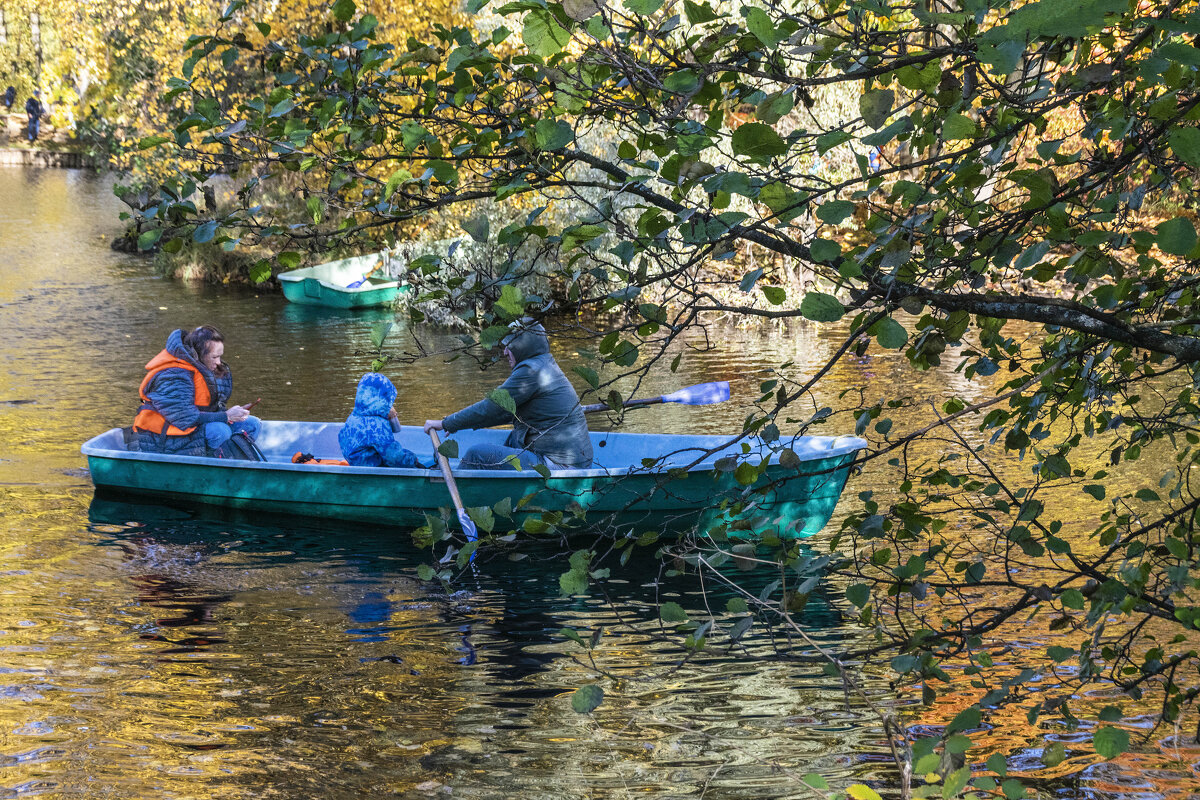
{"x": 149, "y": 655}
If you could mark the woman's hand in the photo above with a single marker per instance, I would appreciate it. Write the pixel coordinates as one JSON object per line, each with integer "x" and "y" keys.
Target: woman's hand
{"x": 432, "y": 425}
{"x": 392, "y": 415}
{"x": 236, "y": 414}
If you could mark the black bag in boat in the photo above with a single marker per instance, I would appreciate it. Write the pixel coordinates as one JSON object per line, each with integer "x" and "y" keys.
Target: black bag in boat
{"x": 240, "y": 446}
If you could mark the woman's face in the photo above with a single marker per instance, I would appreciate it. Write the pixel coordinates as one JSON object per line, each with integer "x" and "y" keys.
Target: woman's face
{"x": 512, "y": 360}
{"x": 212, "y": 355}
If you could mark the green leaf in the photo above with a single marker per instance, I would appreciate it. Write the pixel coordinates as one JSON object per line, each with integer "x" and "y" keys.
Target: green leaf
{"x": 152, "y": 141}
{"x": 580, "y": 235}
{"x": 502, "y": 398}
{"x": 765, "y": 29}
{"x": 394, "y": 180}
{"x": 890, "y": 334}
{"x": 1096, "y": 490}
{"x": 758, "y": 142}
{"x": 775, "y": 107}
{"x": 379, "y": 334}
{"x": 543, "y": 35}
{"x": 736, "y": 605}
{"x": 828, "y": 141}
{"x": 573, "y": 582}
{"x": 585, "y": 699}
{"x": 1059, "y": 653}
{"x": 551, "y": 134}
{"x": 1180, "y": 52}
{"x": 449, "y": 448}
{"x": 511, "y": 301}
{"x": 1177, "y": 236}
{"x": 1185, "y": 143}
{"x": 343, "y": 10}
{"x": 149, "y": 238}
{"x": 683, "y": 81}
{"x": 746, "y": 473}
{"x": 824, "y": 249}
{"x": 643, "y": 7}
{"x": 698, "y": 12}
{"x": 959, "y": 126}
{"x": 835, "y": 211}
{"x": 478, "y": 228}
{"x": 859, "y": 594}
{"x": 588, "y": 374}
{"x": 1110, "y": 742}
{"x": 289, "y": 259}
{"x": 821, "y": 307}
{"x": 425, "y": 572}
{"x": 876, "y": 106}
{"x": 775, "y": 294}
{"x": 443, "y": 171}
{"x": 672, "y": 612}
{"x": 205, "y": 233}
{"x": 261, "y": 270}
{"x": 861, "y": 792}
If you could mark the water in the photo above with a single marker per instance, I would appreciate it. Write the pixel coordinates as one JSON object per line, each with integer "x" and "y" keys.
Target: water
{"x": 146, "y": 652}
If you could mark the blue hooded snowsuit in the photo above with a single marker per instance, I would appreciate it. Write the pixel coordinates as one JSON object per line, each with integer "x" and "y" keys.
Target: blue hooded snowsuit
{"x": 172, "y": 394}
{"x": 549, "y": 423}
{"x": 367, "y": 439}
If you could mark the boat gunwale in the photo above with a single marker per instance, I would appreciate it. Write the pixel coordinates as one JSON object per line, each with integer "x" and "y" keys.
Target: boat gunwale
{"x": 842, "y": 446}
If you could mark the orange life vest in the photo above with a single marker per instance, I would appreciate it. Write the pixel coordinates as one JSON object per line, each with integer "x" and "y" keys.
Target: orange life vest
{"x": 148, "y": 419}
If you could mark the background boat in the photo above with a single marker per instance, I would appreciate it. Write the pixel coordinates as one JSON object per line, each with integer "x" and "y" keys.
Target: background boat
{"x": 358, "y": 282}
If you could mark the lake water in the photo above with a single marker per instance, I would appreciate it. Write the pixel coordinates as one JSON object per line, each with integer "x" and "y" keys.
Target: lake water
{"x": 151, "y": 652}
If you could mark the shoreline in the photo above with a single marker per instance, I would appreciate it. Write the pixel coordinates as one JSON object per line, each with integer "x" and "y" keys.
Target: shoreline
{"x": 31, "y": 157}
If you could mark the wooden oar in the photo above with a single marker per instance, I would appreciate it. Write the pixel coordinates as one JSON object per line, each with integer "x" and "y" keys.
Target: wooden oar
{"x": 702, "y": 394}
{"x": 363, "y": 279}
{"x": 468, "y": 525}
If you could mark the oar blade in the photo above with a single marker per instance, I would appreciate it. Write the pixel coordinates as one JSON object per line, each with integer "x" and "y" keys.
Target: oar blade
{"x": 468, "y": 525}
{"x": 702, "y": 394}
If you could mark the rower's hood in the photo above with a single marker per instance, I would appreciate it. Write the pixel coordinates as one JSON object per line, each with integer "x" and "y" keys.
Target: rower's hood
{"x": 375, "y": 395}
{"x": 527, "y": 341}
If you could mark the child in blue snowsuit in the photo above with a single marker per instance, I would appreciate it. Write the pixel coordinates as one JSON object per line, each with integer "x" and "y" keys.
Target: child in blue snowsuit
{"x": 367, "y": 439}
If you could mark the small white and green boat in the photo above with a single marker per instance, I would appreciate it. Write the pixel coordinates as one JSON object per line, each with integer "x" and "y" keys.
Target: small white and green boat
{"x": 358, "y": 282}
{"x": 639, "y": 482}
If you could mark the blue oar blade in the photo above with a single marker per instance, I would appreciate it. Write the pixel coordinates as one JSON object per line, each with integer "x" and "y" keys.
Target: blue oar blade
{"x": 702, "y": 394}
{"x": 468, "y": 526}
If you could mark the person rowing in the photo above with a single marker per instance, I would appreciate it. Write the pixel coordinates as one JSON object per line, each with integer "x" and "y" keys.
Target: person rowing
{"x": 548, "y": 427}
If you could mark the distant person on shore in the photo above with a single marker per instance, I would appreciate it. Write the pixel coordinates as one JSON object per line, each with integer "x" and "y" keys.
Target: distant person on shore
{"x": 368, "y": 439}
{"x": 35, "y": 110}
{"x": 548, "y": 428}
{"x": 183, "y": 398}
{"x": 10, "y": 97}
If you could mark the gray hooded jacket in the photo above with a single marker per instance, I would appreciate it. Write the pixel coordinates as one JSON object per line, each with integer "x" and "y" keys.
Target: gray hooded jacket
{"x": 549, "y": 420}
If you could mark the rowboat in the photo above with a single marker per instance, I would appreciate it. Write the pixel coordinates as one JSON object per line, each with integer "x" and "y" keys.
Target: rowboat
{"x": 639, "y": 482}
{"x": 358, "y": 282}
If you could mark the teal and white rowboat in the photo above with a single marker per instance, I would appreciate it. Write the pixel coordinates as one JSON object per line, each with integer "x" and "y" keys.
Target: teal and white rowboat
{"x": 358, "y": 282}
{"x": 639, "y": 481}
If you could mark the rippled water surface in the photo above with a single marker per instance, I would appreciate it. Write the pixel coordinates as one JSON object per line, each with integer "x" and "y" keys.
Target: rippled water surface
{"x": 147, "y": 652}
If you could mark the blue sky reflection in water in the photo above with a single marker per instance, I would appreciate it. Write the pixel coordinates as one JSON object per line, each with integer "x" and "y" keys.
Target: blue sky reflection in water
{"x": 151, "y": 652}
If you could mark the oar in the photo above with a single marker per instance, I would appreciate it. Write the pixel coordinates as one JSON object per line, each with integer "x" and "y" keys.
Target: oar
{"x": 468, "y": 525}
{"x": 702, "y": 394}
{"x": 363, "y": 279}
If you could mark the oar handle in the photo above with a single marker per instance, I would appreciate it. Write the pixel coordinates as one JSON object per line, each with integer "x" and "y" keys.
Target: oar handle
{"x": 446, "y": 473}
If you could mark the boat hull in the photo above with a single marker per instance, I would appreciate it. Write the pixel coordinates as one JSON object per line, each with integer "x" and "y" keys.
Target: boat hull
{"x": 798, "y": 501}
{"x": 328, "y": 284}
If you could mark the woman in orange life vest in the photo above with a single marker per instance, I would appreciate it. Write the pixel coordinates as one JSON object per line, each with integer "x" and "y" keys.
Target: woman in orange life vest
{"x": 183, "y": 398}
